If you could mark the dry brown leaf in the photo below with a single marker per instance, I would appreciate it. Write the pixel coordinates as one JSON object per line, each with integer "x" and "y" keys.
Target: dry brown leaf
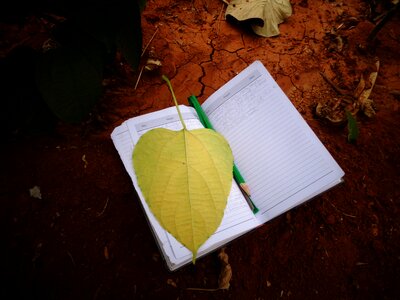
{"x": 264, "y": 15}
{"x": 368, "y": 108}
{"x": 106, "y": 253}
{"x": 366, "y": 103}
{"x": 85, "y": 162}
{"x": 152, "y": 64}
{"x": 226, "y": 271}
{"x": 225, "y": 275}
{"x": 333, "y": 109}
{"x": 171, "y": 282}
{"x": 35, "y": 192}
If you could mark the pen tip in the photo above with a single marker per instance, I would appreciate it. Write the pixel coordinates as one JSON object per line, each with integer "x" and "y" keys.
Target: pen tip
{"x": 245, "y": 188}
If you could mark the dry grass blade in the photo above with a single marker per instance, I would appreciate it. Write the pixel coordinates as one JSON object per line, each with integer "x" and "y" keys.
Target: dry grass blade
{"x": 143, "y": 52}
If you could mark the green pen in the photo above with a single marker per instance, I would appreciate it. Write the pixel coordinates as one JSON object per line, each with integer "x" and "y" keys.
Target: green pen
{"x": 236, "y": 174}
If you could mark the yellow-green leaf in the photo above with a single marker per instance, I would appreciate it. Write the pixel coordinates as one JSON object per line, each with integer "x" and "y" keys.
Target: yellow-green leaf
{"x": 185, "y": 177}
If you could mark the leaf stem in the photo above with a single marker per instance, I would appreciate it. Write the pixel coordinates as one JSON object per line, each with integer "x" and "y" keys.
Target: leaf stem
{"x": 165, "y": 78}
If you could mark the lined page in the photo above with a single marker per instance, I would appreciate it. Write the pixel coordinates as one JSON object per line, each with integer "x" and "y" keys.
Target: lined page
{"x": 238, "y": 218}
{"x": 277, "y": 153}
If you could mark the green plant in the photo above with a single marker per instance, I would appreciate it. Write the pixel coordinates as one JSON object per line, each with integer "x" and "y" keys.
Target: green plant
{"x": 352, "y": 127}
{"x": 41, "y": 87}
{"x": 69, "y": 77}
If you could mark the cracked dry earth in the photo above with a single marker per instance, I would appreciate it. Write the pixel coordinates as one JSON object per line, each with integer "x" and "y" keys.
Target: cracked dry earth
{"x": 87, "y": 238}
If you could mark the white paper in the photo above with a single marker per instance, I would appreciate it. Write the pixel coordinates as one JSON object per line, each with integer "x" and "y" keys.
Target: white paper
{"x": 238, "y": 218}
{"x": 280, "y": 157}
{"x": 277, "y": 153}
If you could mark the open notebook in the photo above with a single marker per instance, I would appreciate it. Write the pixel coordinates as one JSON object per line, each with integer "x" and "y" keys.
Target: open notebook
{"x": 282, "y": 160}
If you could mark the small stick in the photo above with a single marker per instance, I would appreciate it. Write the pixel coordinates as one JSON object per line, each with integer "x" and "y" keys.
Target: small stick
{"x": 395, "y": 93}
{"x": 347, "y": 215}
{"x": 104, "y": 208}
{"x": 200, "y": 289}
{"x": 151, "y": 39}
{"x": 220, "y": 17}
{"x": 143, "y": 52}
{"x": 140, "y": 75}
{"x": 388, "y": 16}
{"x": 334, "y": 86}
{"x": 72, "y": 259}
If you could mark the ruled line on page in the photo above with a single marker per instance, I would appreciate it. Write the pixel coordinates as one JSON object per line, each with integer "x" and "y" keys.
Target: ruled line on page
{"x": 275, "y": 150}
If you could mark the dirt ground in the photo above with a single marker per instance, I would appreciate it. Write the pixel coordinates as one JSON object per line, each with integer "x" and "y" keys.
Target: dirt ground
{"x": 87, "y": 237}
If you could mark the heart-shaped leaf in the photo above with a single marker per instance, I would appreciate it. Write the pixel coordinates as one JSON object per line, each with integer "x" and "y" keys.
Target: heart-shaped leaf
{"x": 185, "y": 177}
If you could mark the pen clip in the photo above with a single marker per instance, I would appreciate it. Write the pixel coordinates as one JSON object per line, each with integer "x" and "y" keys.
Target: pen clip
{"x": 200, "y": 112}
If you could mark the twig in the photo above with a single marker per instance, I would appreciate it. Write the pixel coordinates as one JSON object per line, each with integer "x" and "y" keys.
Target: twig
{"x": 334, "y": 86}
{"x": 104, "y": 208}
{"x": 143, "y": 52}
{"x": 151, "y": 39}
{"x": 395, "y": 93}
{"x": 140, "y": 75}
{"x": 200, "y": 289}
{"x": 97, "y": 292}
{"x": 337, "y": 209}
{"x": 326, "y": 252}
{"x": 220, "y": 16}
{"x": 72, "y": 259}
{"x": 382, "y": 22}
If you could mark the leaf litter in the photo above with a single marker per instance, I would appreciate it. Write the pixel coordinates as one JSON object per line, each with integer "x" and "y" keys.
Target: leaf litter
{"x": 35, "y": 192}
{"x": 225, "y": 274}
{"x": 264, "y": 15}
{"x": 344, "y": 108}
{"x": 334, "y": 109}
